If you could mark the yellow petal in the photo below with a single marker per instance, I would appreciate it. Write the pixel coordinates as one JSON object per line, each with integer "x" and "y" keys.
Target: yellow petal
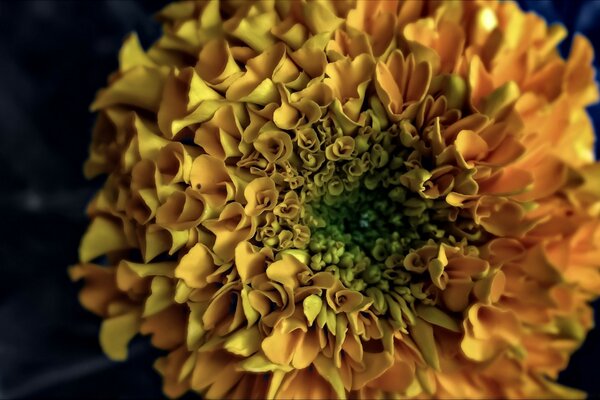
{"x": 185, "y": 92}
{"x": 396, "y": 379}
{"x": 500, "y": 99}
{"x": 155, "y": 241}
{"x": 274, "y": 145}
{"x": 579, "y": 79}
{"x": 102, "y": 236}
{"x": 251, "y": 314}
{"x": 307, "y": 350}
{"x": 116, "y": 332}
{"x": 195, "y": 267}
{"x": 537, "y": 265}
{"x": 286, "y": 270}
{"x": 456, "y": 294}
{"x": 249, "y": 261}
{"x": 478, "y": 350}
{"x": 253, "y": 29}
{"x": 139, "y": 87}
{"x": 275, "y": 383}
{"x": 261, "y": 195}
{"x": 100, "y": 288}
{"x": 217, "y": 187}
{"x": 132, "y": 54}
{"x": 470, "y": 145}
{"x": 435, "y": 316}
{"x": 215, "y": 61}
{"x": 161, "y": 296}
{"x": 480, "y": 81}
{"x": 232, "y": 228}
{"x": 331, "y": 374}
{"x": 376, "y": 364}
{"x": 244, "y": 342}
{"x": 320, "y": 19}
{"x": 312, "y": 307}
{"x": 167, "y": 327}
{"x": 182, "y": 210}
{"x": 258, "y": 363}
{"x": 279, "y": 347}
{"x": 422, "y": 334}
{"x": 195, "y": 329}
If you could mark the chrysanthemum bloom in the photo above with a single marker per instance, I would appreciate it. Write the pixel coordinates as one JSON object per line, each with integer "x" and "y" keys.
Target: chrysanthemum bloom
{"x": 331, "y": 199}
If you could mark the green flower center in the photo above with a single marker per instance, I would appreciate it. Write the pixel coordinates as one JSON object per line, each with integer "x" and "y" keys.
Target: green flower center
{"x": 363, "y": 236}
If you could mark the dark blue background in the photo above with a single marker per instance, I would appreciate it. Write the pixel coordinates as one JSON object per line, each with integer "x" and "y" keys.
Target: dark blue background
{"x": 54, "y": 55}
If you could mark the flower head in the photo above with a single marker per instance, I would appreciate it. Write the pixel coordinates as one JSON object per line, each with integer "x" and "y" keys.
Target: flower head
{"x": 383, "y": 198}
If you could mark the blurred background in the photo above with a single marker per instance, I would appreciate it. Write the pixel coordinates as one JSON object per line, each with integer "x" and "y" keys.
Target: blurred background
{"x": 54, "y": 55}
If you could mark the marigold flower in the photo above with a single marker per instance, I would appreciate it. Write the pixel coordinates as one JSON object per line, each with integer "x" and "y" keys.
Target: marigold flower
{"x": 382, "y": 198}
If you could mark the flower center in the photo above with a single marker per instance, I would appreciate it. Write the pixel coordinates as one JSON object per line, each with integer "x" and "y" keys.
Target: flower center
{"x": 363, "y": 235}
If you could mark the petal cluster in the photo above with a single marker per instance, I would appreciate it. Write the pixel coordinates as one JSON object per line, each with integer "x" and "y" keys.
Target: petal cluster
{"x": 382, "y": 198}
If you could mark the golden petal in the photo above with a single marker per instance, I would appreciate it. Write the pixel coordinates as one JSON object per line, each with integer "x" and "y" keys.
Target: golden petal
{"x": 261, "y": 195}
{"x": 161, "y": 296}
{"x": 376, "y": 363}
{"x": 170, "y": 368}
{"x": 579, "y": 76}
{"x": 312, "y": 307}
{"x": 116, "y": 332}
{"x": 215, "y": 62}
{"x": 102, "y": 236}
{"x": 132, "y": 54}
{"x": 139, "y": 87}
{"x": 184, "y": 93}
{"x": 195, "y": 266}
{"x": 396, "y": 379}
{"x": 274, "y": 145}
{"x": 437, "y": 317}
{"x": 319, "y": 18}
{"x": 167, "y": 328}
{"x": 243, "y": 342}
{"x": 286, "y": 271}
{"x": 279, "y": 347}
{"x": 232, "y": 227}
{"x": 331, "y": 374}
{"x": 181, "y": 211}
{"x": 100, "y": 288}
{"x": 422, "y": 334}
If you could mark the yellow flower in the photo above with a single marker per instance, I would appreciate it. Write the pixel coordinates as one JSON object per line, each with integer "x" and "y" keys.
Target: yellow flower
{"x": 333, "y": 199}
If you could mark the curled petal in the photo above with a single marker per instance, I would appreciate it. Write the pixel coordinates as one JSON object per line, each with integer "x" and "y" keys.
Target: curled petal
{"x": 232, "y": 227}
{"x": 261, "y": 195}
{"x": 286, "y": 271}
{"x": 274, "y": 145}
{"x": 250, "y": 260}
{"x": 117, "y": 331}
{"x": 139, "y": 86}
{"x": 182, "y": 210}
{"x": 195, "y": 267}
{"x": 217, "y": 186}
{"x": 103, "y": 235}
